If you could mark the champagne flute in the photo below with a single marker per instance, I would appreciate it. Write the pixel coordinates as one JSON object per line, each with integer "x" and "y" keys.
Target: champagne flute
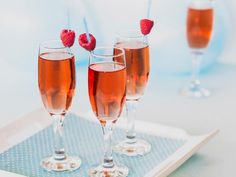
{"x": 199, "y": 31}
{"x": 137, "y": 62}
{"x": 107, "y": 90}
{"x": 56, "y": 79}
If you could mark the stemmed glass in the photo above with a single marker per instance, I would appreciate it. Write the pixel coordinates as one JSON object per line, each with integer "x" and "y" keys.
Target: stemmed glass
{"x": 56, "y": 79}
{"x": 199, "y": 31}
{"x": 137, "y": 61}
{"x": 107, "y": 90}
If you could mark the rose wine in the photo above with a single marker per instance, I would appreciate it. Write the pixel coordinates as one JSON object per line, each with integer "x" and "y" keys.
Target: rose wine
{"x": 56, "y": 77}
{"x": 137, "y": 66}
{"x": 199, "y": 26}
{"x": 107, "y": 88}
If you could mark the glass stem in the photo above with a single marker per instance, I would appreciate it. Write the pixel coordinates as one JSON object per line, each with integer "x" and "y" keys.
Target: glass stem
{"x": 195, "y": 83}
{"x": 59, "y": 153}
{"x": 131, "y": 107}
{"x": 107, "y": 134}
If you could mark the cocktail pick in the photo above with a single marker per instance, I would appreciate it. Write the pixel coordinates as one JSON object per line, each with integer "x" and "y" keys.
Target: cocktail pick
{"x": 86, "y": 29}
{"x": 68, "y": 17}
{"x": 149, "y": 8}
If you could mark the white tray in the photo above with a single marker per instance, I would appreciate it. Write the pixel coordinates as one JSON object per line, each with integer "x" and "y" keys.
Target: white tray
{"x": 30, "y": 124}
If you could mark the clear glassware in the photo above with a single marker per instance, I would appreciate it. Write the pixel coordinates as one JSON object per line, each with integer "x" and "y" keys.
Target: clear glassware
{"x": 107, "y": 90}
{"x": 199, "y": 30}
{"x": 56, "y": 80}
{"x": 138, "y": 67}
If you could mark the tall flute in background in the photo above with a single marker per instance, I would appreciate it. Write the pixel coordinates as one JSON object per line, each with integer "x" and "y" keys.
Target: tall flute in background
{"x": 107, "y": 91}
{"x": 199, "y": 31}
{"x": 137, "y": 61}
{"x": 56, "y": 79}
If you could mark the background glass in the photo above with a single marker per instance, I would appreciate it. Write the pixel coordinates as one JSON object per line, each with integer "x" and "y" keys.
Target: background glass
{"x": 199, "y": 31}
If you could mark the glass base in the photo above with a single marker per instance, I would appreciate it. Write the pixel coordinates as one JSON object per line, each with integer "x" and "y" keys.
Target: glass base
{"x": 68, "y": 164}
{"x": 195, "y": 93}
{"x": 139, "y": 147}
{"x": 116, "y": 171}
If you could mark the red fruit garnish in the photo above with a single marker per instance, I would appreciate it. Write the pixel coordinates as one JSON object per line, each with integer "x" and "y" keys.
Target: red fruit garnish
{"x": 67, "y": 37}
{"x": 83, "y": 42}
{"x": 146, "y": 26}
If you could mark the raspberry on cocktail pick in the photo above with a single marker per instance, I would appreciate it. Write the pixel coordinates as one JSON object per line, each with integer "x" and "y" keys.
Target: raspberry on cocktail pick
{"x": 88, "y": 44}
{"x": 87, "y": 40}
{"x": 67, "y": 37}
{"x": 146, "y": 26}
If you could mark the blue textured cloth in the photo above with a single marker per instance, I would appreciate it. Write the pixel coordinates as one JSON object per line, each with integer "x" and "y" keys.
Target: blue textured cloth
{"x": 83, "y": 138}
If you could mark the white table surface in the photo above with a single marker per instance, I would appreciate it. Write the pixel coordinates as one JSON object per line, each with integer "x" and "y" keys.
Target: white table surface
{"x": 197, "y": 116}
{"x": 162, "y": 104}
